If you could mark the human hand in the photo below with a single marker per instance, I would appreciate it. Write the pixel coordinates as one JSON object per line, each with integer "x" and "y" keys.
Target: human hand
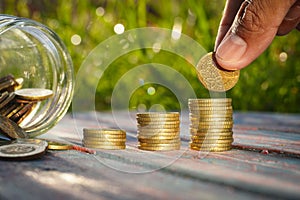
{"x": 248, "y": 27}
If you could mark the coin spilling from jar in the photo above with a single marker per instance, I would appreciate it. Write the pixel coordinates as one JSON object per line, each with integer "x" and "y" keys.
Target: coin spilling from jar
{"x": 16, "y": 103}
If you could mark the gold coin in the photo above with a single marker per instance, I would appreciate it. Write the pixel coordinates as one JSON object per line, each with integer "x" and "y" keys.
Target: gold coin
{"x": 212, "y": 123}
{"x": 213, "y": 77}
{"x": 210, "y": 115}
{"x": 210, "y": 108}
{"x": 209, "y": 104}
{"x": 211, "y": 134}
{"x": 3, "y": 96}
{"x": 211, "y": 119}
{"x": 212, "y": 99}
{"x": 58, "y": 146}
{"x": 105, "y": 147}
{"x": 159, "y": 123}
{"x": 212, "y": 141}
{"x": 6, "y": 78}
{"x": 157, "y": 114}
{"x": 158, "y": 137}
{"x": 211, "y": 126}
{"x": 210, "y": 112}
{"x": 211, "y": 130}
{"x": 147, "y": 148}
{"x": 17, "y": 107}
{"x": 214, "y": 149}
{"x": 158, "y": 130}
{"x": 22, "y": 113}
{"x": 159, "y": 141}
{"x": 209, "y": 100}
{"x": 104, "y": 131}
{"x": 159, "y": 126}
{"x": 8, "y": 99}
{"x": 9, "y": 108}
{"x": 157, "y": 119}
{"x": 149, "y": 135}
{"x": 34, "y": 94}
{"x": 88, "y": 139}
{"x": 103, "y": 136}
{"x": 11, "y": 129}
{"x": 211, "y": 137}
{"x": 104, "y": 143}
{"x": 7, "y": 85}
{"x": 144, "y": 144}
{"x": 205, "y": 145}
{"x": 19, "y": 83}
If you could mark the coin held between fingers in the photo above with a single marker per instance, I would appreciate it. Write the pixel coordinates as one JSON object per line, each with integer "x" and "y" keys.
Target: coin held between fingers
{"x": 213, "y": 77}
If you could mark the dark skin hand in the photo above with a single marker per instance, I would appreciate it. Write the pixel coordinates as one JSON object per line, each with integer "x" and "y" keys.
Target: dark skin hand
{"x": 248, "y": 27}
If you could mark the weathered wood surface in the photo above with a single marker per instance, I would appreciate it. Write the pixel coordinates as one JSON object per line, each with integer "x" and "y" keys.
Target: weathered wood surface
{"x": 265, "y": 164}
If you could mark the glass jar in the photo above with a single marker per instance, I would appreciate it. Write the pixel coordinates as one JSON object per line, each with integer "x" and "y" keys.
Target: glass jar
{"x": 31, "y": 51}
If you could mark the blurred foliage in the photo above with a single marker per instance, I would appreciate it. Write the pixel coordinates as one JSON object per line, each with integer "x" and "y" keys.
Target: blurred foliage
{"x": 271, "y": 83}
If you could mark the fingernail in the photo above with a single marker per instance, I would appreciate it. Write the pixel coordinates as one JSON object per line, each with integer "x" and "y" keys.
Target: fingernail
{"x": 231, "y": 50}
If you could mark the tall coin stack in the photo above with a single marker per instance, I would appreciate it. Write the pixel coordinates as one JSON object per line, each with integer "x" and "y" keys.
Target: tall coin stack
{"x": 110, "y": 139}
{"x": 211, "y": 124}
{"x": 158, "y": 131}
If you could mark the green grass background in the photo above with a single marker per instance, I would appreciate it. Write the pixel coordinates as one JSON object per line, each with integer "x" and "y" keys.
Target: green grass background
{"x": 268, "y": 84}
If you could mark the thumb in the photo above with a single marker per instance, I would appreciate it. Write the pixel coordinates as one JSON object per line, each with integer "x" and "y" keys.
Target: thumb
{"x": 253, "y": 29}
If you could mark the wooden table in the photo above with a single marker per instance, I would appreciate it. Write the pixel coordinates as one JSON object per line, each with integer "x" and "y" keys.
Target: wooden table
{"x": 264, "y": 164}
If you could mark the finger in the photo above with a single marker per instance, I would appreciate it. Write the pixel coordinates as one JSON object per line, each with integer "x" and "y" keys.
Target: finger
{"x": 298, "y": 27}
{"x": 291, "y": 20}
{"x": 253, "y": 30}
{"x": 231, "y": 9}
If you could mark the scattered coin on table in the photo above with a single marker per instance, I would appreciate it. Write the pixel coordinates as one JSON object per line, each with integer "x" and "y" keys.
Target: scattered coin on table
{"x": 23, "y": 149}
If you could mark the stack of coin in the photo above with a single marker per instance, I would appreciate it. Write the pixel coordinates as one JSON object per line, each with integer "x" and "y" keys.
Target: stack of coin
{"x": 158, "y": 131}
{"x": 111, "y": 139}
{"x": 211, "y": 124}
{"x": 16, "y": 103}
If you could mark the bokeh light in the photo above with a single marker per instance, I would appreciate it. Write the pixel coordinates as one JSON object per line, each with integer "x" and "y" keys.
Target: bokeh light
{"x": 76, "y": 39}
{"x": 151, "y": 91}
{"x": 119, "y": 28}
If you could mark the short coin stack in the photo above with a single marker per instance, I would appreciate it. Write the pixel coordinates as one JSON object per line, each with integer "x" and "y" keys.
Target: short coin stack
{"x": 158, "y": 131}
{"x": 111, "y": 139}
{"x": 211, "y": 124}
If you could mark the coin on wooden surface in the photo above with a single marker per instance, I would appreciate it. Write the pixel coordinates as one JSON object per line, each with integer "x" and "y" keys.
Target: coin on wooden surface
{"x": 213, "y": 77}
{"x": 33, "y": 94}
{"x": 23, "y": 150}
{"x": 53, "y": 145}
